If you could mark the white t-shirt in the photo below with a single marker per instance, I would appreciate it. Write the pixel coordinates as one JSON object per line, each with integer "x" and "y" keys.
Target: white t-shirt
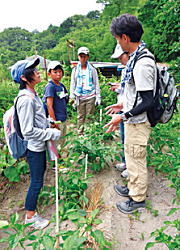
{"x": 144, "y": 74}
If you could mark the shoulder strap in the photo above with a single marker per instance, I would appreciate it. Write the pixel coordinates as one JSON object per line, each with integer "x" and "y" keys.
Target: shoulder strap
{"x": 140, "y": 56}
{"x": 16, "y": 121}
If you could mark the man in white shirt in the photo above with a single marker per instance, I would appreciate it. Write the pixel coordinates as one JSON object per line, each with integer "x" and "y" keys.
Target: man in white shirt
{"x": 140, "y": 82}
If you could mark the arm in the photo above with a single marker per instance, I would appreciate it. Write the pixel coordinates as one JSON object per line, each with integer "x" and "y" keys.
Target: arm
{"x": 51, "y": 110}
{"x": 147, "y": 102}
{"x": 50, "y": 107}
{"x": 25, "y": 108}
{"x": 145, "y": 70}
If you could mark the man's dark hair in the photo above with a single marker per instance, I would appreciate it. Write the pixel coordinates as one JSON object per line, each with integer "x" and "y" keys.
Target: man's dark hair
{"x": 57, "y": 67}
{"x": 128, "y": 25}
{"x": 28, "y": 74}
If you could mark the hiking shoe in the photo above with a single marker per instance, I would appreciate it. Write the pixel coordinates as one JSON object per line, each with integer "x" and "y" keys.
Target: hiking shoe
{"x": 37, "y": 222}
{"x": 124, "y": 174}
{"x": 121, "y": 190}
{"x": 129, "y": 206}
{"x": 121, "y": 166}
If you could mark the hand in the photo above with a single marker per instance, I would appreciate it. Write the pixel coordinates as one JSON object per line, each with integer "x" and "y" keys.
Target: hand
{"x": 55, "y": 126}
{"x": 113, "y": 109}
{"x": 71, "y": 101}
{"x": 98, "y": 101}
{"x": 113, "y": 124}
{"x": 114, "y": 87}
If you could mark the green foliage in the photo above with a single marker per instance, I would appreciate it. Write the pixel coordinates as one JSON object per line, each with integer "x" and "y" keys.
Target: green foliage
{"x": 15, "y": 45}
{"x": 162, "y": 18}
{"x": 8, "y": 91}
{"x": 163, "y": 151}
{"x": 17, "y": 235}
{"x": 93, "y": 143}
{"x": 162, "y": 237}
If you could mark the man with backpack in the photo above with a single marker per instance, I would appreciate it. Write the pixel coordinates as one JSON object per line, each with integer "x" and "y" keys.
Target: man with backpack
{"x": 140, "y": 84}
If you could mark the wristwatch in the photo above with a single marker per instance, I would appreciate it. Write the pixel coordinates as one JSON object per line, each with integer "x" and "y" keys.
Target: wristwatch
{"x": 123, "y": 117}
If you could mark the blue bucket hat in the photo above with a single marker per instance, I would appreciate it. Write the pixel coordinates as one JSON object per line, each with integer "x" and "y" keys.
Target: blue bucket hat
{"x": 18, "y": 68}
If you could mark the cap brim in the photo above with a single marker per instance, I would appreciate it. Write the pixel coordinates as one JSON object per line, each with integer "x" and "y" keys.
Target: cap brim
{"x": 32, "y": 63}
{"x": 53, "y": 66}
{"x": 83, "y": 53}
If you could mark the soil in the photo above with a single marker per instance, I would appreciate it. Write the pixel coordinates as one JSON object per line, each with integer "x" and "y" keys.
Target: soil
{"x": 127, "y": 232}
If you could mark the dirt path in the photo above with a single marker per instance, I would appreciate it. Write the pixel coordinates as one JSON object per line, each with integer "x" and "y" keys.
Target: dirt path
{"x": 128, "y": 232}
{"x": 132, "y": 232}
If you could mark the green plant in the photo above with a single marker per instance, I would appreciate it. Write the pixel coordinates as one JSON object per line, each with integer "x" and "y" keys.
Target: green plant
{"x": 149, "y": 207}
{"x": 100, "y": 153}
{"x": 172, "y": 242}
{"x": 163, "y": 152}
{"x": 85, "y": 224}
{"x": 17, "y": 233}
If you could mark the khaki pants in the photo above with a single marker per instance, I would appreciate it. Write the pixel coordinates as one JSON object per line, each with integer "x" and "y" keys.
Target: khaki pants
{"x": 85, "y": 108}
{"x": 136, "y": 139}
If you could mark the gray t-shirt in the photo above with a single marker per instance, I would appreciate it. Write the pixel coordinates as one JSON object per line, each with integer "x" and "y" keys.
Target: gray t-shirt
{"x": 144, "y": 74}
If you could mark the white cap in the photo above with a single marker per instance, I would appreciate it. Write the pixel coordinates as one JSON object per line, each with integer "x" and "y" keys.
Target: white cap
{"x": 53, "y": 65}
{"x": 83, "y": 50}
{"x": 117, "y": 52}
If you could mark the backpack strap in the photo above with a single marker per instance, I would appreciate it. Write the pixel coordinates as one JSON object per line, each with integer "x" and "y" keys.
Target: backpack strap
{"x": 140, "y": 56}
{"x": 16, "y": 120}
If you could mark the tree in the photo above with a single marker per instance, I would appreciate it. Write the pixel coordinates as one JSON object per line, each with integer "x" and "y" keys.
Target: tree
{"x": 95, "y": 14}
{"x": 162, "y": 18}
{"x": 15, "y": 44}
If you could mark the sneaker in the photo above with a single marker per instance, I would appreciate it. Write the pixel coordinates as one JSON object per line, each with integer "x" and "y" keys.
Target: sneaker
{"x": 124, "y": 174}
{"x": 37, "y": 222}
{"x": 121, "y": 190}
{"x": 121, "y": 166}
{"x": 129, "y": 206}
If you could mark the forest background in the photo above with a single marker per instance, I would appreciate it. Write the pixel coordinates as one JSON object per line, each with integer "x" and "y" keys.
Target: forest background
{"x": 159, "y": 18}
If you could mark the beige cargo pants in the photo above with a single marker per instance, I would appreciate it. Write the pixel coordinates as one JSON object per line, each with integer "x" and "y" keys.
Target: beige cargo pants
{"x": 136, "y": 139}
{"x": 85, "y": 108}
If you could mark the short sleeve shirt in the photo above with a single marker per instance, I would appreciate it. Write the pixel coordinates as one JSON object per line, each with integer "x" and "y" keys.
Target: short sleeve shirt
{"x": 59, "y": 93}
{"x": 144, "y": 74}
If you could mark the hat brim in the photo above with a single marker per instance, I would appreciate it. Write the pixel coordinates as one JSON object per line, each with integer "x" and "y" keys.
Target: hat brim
{"x": 85, "y": 53}
{"x": 32, "y": 63}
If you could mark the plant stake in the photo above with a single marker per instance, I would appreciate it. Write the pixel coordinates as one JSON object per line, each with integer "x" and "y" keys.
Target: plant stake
{"x": 54, "y": 155}
{"x": 100, "y": 119}
{"x": 86, "y": 162}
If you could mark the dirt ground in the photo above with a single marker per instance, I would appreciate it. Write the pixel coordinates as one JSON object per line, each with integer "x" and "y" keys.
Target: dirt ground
{"x": 130, "y": 232}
